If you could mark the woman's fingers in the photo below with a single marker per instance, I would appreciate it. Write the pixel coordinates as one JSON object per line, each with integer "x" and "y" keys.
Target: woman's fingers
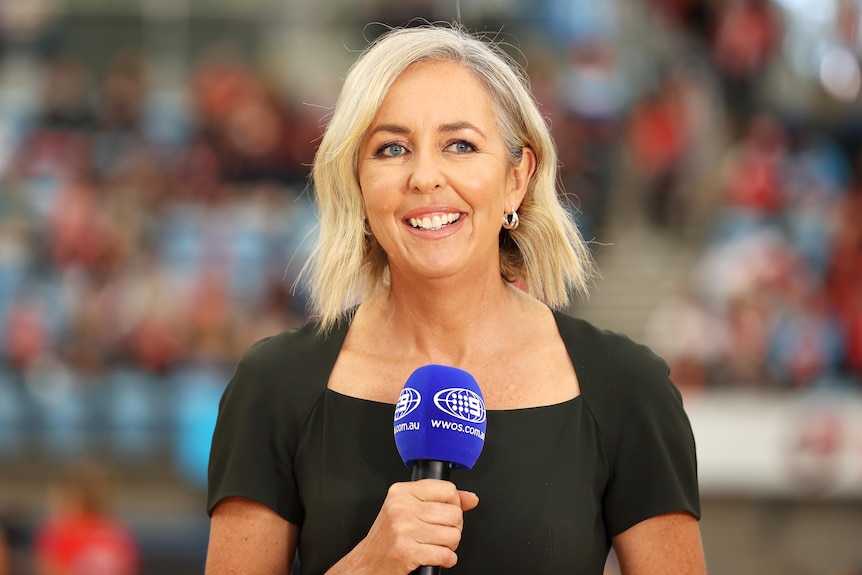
{"x": 469, "y": 500}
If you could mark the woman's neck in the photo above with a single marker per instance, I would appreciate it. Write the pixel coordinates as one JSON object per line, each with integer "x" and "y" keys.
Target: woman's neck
{"x": 445, "y": 324}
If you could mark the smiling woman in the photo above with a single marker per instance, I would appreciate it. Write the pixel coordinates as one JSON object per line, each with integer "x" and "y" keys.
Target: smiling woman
{"x": 436, "y": 185}
{"x": 549, "y": 257}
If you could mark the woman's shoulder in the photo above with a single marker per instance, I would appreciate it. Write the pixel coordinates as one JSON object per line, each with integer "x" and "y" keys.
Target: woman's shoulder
{"x": 279, "y": 362}
{"x": 297, "y": 343}
{"x": 614, "y": 371}
{"x": 628, "y": 391}
{"x": 602, "y": 351}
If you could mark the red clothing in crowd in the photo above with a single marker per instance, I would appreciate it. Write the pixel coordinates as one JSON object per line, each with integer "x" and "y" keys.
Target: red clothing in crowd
{"x": 86, "y": 544}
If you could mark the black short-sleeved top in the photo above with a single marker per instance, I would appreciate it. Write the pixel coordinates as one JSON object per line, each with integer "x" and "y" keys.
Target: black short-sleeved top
{"x": 555, "y": 483}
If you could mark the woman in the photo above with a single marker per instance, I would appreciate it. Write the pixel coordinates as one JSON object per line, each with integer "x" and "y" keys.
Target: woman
{"x": 436, "y": 188}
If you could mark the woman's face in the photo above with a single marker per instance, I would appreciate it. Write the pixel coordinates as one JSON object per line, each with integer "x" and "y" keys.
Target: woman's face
{"x": 435, "y": 176}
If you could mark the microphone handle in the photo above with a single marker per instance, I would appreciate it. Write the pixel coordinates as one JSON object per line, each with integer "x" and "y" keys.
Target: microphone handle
{"x": 430, "y": 469}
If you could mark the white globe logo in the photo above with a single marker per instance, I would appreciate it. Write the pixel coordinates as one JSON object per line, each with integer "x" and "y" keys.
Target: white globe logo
{"x": 464, "y": 404}
{"x": 408, "y": 401}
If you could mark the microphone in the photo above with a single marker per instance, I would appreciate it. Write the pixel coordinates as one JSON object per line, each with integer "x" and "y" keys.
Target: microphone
{"x": 439, "y": 425}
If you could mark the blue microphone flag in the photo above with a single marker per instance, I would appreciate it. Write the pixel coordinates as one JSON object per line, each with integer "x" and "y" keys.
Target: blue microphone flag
{"x": 440, "y": 415}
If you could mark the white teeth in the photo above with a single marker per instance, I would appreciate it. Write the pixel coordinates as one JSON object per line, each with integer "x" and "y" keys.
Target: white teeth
{"x": 434, "y": 223}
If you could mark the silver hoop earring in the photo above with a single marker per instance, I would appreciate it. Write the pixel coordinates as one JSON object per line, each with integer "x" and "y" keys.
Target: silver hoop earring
{"x": 511, "y": 221}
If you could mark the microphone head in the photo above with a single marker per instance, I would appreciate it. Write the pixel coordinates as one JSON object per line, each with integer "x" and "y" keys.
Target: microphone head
{"x": 440, "y": 416}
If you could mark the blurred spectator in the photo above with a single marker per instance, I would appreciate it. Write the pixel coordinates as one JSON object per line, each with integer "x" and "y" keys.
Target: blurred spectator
{"x": 748, "y": 323}
{"x": 806, "y": 344}
{"x": 845, "y": 271}
{"x": 119, "y": 115}
{"x": 25, "y": 335}
{"x": 659, "y": 139}
{"x": 81, "y": 536}
{"x": 818, "y": 179}
{"x": 77, "y": 230}
{"x": 591, "y": 99}
{"x": 745, "y": 42}
{"x": 243, "y": 124}
{"x": 65, "y": 101}
{"x": 753, "y": 178}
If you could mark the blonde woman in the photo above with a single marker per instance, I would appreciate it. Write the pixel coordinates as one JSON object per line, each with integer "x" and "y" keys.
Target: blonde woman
{"x": 436, "y": 185}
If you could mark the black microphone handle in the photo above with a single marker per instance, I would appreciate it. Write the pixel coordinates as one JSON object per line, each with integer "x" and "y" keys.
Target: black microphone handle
{"x": 430, "y": 469}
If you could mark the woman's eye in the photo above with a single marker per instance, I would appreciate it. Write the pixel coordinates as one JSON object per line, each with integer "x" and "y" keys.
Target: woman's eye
{"x": 391, "y": 150}
{"x": 462, "y": 147}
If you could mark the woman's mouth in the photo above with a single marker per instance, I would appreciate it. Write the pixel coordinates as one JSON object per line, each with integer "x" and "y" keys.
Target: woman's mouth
{"x": 434, "y": 222}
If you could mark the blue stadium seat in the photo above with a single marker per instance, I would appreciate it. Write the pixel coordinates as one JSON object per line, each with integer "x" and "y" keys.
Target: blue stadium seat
{"x": 133, "y": 409}
{"x": 197, "y": 394}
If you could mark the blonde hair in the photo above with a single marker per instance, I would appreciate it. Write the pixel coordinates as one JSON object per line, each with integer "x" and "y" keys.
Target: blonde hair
{"x": 546, "y": 252}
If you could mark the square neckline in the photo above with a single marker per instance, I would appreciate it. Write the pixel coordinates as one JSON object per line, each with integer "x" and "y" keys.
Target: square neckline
{"x": 344, "y": 327}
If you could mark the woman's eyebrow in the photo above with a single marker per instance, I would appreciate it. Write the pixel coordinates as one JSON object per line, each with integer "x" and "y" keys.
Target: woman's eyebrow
{"x": 391, "y": 128}
{"x": 458, "y": 126}
{"x": 444, "y": 128}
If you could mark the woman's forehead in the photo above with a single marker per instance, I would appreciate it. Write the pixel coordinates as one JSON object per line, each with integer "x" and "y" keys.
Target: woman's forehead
{"x": 447, "y": 92}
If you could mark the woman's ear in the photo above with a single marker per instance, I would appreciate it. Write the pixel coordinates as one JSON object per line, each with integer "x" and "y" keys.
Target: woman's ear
{"x": 521, "y": 175}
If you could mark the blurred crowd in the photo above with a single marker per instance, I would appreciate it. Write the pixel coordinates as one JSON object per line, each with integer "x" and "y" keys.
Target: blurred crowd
{"x": 775, "y": 299}
{"x": 135, "y": 263}
{"x": 123, "y": 250}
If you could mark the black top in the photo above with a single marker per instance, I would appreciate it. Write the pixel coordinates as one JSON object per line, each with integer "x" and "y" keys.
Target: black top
{"x": 555, "y": 483}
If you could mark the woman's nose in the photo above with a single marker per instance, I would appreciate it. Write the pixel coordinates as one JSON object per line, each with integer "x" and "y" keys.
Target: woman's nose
{"x": 427, "y": 174}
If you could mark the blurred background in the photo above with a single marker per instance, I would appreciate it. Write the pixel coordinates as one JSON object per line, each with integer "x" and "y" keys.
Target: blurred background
{"x": 154, "y": 211}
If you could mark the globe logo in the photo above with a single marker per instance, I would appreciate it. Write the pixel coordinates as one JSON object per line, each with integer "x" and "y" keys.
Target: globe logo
{"x": 461, "y": 403}
{"x": 408, "y": 401}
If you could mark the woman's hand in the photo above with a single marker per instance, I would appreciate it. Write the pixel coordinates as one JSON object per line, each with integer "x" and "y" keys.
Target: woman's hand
{"x": 419, "y": 524}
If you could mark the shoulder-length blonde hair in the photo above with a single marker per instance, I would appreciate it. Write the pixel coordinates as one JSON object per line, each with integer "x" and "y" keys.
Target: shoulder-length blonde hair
{"x": 545, "y": 253}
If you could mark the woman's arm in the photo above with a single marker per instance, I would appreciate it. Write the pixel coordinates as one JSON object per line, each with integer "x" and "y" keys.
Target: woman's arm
{"x": 668, "y": 543}
{"x": 249, "y": 537}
